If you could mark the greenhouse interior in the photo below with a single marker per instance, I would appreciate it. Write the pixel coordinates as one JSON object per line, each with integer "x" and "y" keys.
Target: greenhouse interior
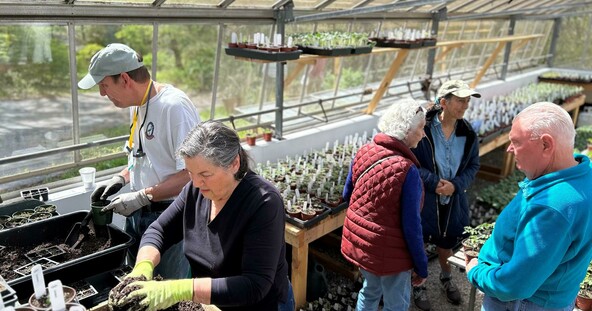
{"x": 302, "y": 87}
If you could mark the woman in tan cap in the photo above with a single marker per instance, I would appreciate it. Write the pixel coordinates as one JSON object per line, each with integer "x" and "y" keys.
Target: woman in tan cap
{"x": 449, "y": 158}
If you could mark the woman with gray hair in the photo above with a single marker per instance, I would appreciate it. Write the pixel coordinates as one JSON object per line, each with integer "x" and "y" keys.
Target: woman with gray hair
{"x": 382, "y": 229}
{"x": 231, "y": 222}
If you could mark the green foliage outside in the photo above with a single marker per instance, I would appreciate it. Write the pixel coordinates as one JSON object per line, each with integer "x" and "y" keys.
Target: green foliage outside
{"x": 583, "y": 135}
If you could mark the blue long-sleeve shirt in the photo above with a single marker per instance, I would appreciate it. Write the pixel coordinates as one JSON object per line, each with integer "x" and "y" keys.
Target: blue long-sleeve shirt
{"x": 542, "y": 242}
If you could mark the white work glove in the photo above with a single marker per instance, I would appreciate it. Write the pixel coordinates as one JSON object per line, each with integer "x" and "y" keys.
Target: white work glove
{"x": 127, "y": 203}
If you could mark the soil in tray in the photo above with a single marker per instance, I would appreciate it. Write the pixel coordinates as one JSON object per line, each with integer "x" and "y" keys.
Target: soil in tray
{"x": 120, "y": 291}
{"x": 13, "y": 257}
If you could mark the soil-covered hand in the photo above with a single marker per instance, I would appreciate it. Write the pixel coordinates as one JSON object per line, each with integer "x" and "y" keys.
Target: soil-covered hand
{"x": 104, "y": 191}
{"x": 142, "y": 268}
{"x": 127, "y": 203}
{"x": 155, "y": 295}
{"x": 118, "y": 295}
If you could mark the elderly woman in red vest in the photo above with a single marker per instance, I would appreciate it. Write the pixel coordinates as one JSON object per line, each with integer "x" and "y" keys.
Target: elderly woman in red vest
{"x": 382, "y": 230}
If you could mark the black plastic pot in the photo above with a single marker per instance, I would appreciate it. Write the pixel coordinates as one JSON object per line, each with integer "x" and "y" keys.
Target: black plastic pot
{"x": 57, "y": 228}
{"x": 99, "y": 217}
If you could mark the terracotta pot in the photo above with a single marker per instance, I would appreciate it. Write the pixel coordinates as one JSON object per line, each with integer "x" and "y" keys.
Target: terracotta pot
{"x": 232, "y": 45}
{"x": 267, "y": 136}
{"x": 584, "y": 303}
{"x": 251, "y": 140}
{"x": 309, "y": 214}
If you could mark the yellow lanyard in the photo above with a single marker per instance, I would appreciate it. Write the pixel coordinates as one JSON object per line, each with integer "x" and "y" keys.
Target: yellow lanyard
{"x": 130, "y": 142}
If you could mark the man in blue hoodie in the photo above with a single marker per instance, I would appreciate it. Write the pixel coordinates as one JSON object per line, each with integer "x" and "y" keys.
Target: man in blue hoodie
{"x": 540, "y": 248}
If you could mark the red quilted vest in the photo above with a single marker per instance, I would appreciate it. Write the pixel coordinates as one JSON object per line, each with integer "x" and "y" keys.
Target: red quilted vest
{"x": 372, "y": 233}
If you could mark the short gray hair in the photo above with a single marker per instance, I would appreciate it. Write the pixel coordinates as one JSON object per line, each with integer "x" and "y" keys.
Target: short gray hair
{"x": 400, "y": 118}
{"x": 548, "y": 118}
{"x": 218, "y": 144}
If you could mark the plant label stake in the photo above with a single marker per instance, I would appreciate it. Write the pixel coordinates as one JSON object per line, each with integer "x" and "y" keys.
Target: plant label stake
{"x": 38, "y": 281}
{"x": 56, "y": 296}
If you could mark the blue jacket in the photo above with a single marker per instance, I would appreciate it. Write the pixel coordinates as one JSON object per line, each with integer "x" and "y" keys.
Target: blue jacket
{"x": 458, "y": 217}
{"x": 540, "y": 247}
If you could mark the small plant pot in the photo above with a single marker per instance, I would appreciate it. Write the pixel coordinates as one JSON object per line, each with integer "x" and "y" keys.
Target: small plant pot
{"x": 232, "y": 45}
{"x": 15, "y": 222}
{"x": 99, "y": 217}
{"x": 45, "y": 208}
{"x": 294, "y": 213}
{"x": 267, "y": 136}
{"x": 24, "y": 213}
{"x": 584, "y": 303}
{"x": 75, "y": 306}
{"x": 39, "y": 216}
{"x": 251, "y": 140}
{"x": 44, "y": 304}
{"x": 308, "y": 214}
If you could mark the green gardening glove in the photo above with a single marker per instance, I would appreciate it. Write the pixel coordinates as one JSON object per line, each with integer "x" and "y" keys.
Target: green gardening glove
{"x": 142, "y": 268}
{"x": 159, "y": 295}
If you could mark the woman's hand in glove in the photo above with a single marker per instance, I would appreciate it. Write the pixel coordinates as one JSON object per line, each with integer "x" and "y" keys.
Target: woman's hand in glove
{"x": 159, "y": 295}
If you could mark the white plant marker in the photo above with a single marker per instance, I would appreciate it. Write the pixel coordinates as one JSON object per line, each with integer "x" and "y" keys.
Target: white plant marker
{"x": 56, "y": 296}
{"x": 38, "y": 281}
{"x": 233, "y": 38}
{"x": 76, "y": 308}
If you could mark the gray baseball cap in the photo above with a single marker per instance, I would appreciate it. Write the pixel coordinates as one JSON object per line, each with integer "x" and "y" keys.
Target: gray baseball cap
{"x": 114, "y": 59}
{"x": 457, "y": 88}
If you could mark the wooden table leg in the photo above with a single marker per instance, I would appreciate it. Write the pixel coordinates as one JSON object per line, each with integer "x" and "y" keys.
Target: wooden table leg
{"x": 299, "y": 273}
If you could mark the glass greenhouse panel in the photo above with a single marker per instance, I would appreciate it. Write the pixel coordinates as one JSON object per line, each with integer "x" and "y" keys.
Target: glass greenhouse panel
{"x": 35, "y": 105}
{"x": 187, "y": 63}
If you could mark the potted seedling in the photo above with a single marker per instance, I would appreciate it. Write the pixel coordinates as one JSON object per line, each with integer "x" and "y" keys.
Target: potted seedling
{"x": 251, "y": 138}
{"x": 475, "y": 240}
{"x": 584, "y": 298}
{"x": 267, "y": 134}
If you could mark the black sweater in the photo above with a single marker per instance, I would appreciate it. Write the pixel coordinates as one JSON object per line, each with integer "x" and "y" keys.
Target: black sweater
{"x": 243, "y": 249}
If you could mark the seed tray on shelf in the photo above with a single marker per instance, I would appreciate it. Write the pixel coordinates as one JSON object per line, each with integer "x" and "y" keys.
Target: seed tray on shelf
{"x": 263, "y": 55}
{"x": 119, "y": 274}
{"x": 361, "y": 50}
{"x": 325, "y": 52}
{"x": 311, "y": 222}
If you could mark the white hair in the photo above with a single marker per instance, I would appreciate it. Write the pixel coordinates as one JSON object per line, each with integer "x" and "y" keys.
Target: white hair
{"x": 400, "y": 118}
{"x": 548, "y": 118}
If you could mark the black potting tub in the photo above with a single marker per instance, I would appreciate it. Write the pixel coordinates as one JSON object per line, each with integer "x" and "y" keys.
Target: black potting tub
{"x": 57, "y": 228}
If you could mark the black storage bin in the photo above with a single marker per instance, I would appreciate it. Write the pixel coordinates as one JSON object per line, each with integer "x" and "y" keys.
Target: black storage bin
{"x": 57, "y": 228}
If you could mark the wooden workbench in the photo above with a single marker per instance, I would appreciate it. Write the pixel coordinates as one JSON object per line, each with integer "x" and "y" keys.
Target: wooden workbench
{"x": 299, "y": 238}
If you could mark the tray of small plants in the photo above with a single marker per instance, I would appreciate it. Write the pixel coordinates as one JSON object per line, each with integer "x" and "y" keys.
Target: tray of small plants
{"x": 262, "y": 48}
{"x": 305, "y": 214}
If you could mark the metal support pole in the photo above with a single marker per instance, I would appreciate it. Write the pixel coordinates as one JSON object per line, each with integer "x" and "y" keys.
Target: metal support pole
{"x": 436, "y": 17}
{"x": 508, "y": 50}
{"x": 282, "y": 15}
{"x": 554, "y": 38}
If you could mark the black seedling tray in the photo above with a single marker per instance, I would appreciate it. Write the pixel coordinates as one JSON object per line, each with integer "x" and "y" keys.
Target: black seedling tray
{"x": 308, "y": 223}
{"x": 263, "y": 55}
{"x": 57, "y": 228}
{"x": 119, "y": 274}
{"x": 361, "y": 50}
{"x": 325, "y": 52}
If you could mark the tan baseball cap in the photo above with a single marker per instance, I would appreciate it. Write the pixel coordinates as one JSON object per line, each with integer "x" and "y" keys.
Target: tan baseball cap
{"x": 457, "y": 88}
{"x": 114, "y": 59}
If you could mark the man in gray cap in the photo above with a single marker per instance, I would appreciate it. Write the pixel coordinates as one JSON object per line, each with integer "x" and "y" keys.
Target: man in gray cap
{"x": 162, "y": 115}
{"x": 449, "y": 158}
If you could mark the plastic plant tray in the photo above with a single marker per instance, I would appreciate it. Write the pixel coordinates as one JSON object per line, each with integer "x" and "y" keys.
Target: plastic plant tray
{"x": 119, "y": 274}
{"x": 44, "y": 262}
{"x": 50, "y": 252}
{"x": 263, "y": 55}
{"x": 5, "y": 290}
{"x": 361, "y": 50}
{"x": 56, "y": 229}
{"x": 338, "y": 208}
{"x": 308, "y": 223}
{"x": 83, "y": 289}
{"x": 326, "y": 52}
